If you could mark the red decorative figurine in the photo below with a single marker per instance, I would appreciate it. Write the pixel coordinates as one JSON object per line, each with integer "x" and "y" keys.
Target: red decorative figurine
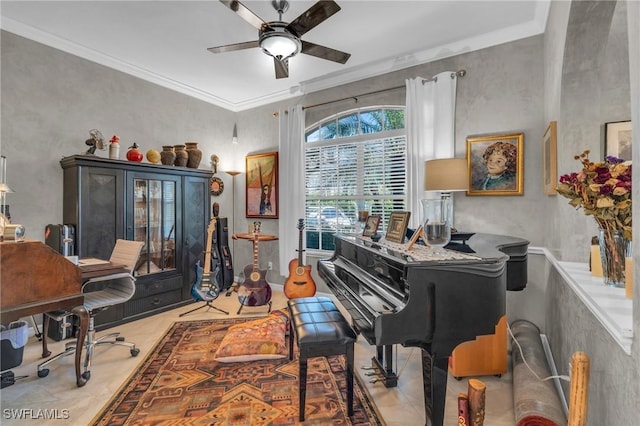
{"x": 134, "y": 154}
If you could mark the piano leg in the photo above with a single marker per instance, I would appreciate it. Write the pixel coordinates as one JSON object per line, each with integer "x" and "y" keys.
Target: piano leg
{"x": 83, "y": 317}
{"x": 383, "y": 363}
{"x": 434, "y": 378}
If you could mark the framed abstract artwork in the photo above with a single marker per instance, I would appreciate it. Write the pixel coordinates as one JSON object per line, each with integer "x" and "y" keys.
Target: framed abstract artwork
{"x": 262, "y": 185}
{"x": 496, "y": 164}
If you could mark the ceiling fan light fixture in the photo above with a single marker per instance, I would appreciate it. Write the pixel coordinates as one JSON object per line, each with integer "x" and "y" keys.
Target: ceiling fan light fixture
{"x": 279, "y": 43}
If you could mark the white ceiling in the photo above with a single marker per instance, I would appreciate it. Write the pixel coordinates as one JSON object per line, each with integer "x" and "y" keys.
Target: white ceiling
{"x": 165, "y": 42}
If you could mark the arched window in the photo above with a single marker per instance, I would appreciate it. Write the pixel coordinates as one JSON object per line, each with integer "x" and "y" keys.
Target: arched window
{"x": 355, "y": 160}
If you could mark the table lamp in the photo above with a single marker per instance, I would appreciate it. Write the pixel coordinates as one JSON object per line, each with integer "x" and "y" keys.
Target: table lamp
{"x": 444, "y": 175}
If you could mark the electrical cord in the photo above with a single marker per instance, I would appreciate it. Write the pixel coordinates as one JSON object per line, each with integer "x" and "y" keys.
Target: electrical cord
{"x": 561, "y": 377}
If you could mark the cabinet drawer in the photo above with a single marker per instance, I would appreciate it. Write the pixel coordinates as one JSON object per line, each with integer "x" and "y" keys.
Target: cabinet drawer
{"x": 151, "y": 287}
{"x": 138, "y": 306}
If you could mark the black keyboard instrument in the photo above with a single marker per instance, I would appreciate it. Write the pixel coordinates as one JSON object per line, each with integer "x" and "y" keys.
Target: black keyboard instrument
{"x": 419, "y": 298}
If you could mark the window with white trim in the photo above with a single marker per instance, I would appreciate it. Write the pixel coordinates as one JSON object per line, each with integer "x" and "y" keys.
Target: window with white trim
{"x": 354, "y": 161}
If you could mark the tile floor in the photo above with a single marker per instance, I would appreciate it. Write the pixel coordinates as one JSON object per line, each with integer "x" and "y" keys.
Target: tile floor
{"x": 402, "y": 405}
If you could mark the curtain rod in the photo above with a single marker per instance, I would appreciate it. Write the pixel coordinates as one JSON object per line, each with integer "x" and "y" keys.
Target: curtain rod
{"x": 460, "y": 73}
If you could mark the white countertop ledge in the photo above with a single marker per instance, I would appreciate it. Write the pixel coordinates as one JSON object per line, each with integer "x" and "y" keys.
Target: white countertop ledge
{"x": 608, "y": 304}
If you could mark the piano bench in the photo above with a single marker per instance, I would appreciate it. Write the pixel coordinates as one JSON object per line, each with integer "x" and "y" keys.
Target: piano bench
{"x": 320, "y": 330}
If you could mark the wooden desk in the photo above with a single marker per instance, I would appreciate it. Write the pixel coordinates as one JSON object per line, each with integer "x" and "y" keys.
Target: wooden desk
{"x": 37, "y": 279}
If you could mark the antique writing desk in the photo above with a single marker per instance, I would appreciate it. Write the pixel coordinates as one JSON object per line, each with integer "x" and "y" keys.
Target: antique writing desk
{"x": 35, "y": 279}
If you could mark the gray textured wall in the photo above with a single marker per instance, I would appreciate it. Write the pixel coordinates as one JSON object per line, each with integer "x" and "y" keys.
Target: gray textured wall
{"x": 587, "y": 85}
{"x": 50, "y": 100}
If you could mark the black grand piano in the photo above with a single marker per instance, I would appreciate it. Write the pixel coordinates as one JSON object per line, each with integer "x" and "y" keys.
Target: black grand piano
{"x": 431, "y": 300}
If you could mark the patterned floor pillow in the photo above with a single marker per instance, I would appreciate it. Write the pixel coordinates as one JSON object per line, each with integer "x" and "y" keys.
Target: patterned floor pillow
{"x": 263, "y": 338}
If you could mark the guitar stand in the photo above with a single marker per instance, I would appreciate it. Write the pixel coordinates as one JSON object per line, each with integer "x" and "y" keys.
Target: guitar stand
{"x": 206, "y": 305}
{"x": 242, "y": 306}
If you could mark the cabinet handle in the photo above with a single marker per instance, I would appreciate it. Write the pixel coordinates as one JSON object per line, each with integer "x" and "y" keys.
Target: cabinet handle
{"x": 186, "y": 242}
{"x": 156, "y": 301}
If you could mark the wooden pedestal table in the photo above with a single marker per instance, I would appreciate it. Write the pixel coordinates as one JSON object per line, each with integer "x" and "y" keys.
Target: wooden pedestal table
{"x": 254, "y": 290}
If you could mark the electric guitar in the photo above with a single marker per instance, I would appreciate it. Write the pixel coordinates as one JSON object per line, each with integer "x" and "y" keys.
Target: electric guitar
{"x": 254, "y": 290}
{"x": 203, "y": 277}
{"x": 299, "y": 283}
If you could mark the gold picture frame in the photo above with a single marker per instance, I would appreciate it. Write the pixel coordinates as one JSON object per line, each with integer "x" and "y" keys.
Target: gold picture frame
{"x": 371, "y": 225}
{"x": 262, "y": 185}
{"x": 397, "y": 226}
{"x": 550, "y": 159}
{"x": 496, "y": 165}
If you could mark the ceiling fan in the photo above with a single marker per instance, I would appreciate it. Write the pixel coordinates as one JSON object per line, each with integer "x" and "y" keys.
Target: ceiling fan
{"x": 281, "y": 40}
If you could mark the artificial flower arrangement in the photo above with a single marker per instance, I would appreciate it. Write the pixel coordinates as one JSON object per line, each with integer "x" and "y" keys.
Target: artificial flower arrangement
{"x": 602, "y": 190}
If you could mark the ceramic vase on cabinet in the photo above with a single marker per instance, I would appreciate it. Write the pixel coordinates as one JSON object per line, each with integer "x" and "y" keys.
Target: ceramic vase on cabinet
{"x": 195, "y": 155}
{"x": 167, "y": 156}
{"x": 182, "y": 156}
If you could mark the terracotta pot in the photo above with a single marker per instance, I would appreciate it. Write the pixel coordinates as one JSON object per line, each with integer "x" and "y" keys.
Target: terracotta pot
{"x": 195, "y": 155}
{"x": 167, "y": 156}
{"x": 182, "y": 156}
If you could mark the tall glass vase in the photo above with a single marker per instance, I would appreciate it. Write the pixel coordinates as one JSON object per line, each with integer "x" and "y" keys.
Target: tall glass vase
{"x": 436, "y": 214}
{"x": 613, "y": 249}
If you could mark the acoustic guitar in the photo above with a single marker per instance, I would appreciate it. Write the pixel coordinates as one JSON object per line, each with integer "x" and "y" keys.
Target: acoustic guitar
{"x": 254, "y": 290}
{"x": 299, "y": 283}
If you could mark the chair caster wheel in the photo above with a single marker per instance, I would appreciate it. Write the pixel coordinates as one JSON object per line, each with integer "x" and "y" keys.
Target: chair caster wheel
{"x": 120, "y": 339}
{"x": 43, "y": 373}
{"x": 86, "y": 375}
{"x": 135, "y": 352}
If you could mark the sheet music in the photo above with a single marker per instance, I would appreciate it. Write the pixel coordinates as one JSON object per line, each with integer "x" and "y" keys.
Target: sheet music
{"x": 423, "y": 253}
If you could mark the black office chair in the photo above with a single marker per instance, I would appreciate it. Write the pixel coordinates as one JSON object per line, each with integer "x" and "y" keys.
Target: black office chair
{"x": 118, "y": 289}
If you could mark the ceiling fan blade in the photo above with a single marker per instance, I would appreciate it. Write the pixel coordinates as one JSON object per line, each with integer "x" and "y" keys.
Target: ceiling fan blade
{"x": 232, "y": 47}
{"x": 312, "y": 17}
{"x": 244, "y": 13}
{"x": 282, "y": 67}
{"x": 324, "y": 52}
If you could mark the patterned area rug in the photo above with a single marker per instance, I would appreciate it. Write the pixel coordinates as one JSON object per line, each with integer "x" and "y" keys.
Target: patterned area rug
{"x": 180, "y": 383}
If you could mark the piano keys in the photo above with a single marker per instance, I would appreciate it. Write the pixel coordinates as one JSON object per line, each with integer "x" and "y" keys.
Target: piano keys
{"x": 423, "y": 299}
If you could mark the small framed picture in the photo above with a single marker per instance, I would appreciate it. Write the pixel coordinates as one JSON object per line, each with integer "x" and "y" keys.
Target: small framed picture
{"x": 397, "y": 227}
{"x": 371, "y": 225}
{"x": 549, "y": 159}
{"x": 617, "y": 142}
{"x": 496, "y": 164}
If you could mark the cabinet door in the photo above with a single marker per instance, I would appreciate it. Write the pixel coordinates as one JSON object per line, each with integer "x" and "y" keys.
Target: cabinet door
{"x": 101, "y": 211}
{"x": 196, "y": 221}
{"x": 155, "y": 209}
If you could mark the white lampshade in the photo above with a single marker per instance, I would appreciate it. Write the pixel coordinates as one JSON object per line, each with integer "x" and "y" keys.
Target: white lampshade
{"x": 446, "y": 175}
{"x": 279, "y": 44}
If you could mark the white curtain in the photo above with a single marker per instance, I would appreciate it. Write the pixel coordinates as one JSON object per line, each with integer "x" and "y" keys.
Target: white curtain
{"x": 292, "y": 188}
{"x": 430, "y": 124}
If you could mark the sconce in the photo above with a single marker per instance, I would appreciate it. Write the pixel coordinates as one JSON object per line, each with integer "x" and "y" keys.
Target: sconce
{"x": 234, "y": 139}
{"x": 4, "y": 188}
